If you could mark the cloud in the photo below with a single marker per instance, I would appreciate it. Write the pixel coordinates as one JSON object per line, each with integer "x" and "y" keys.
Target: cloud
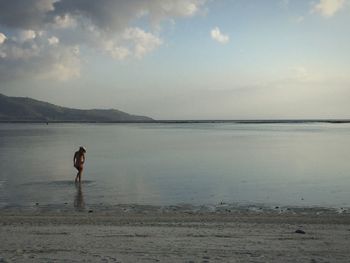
{"x": 142, "y": 41}
{"x": 53, "y": 40}
{"x": 32, "y": 55}
{"x": 2, "y": 38}
{"x": 111, "y": 15}
{"x": 24, "y": 14}
{"x": 47, "y": 31}
{"x": 328, "y": 8}
{"x": 26, "y": 35}
{"x": 218, "y": 36}
{"x": 64, "y": 21}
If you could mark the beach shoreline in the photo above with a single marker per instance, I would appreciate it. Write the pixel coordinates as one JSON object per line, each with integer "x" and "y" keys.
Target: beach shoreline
{"x": 173, "y": 236}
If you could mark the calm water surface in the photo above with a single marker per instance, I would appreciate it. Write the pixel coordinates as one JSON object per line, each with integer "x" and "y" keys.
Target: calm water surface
{"x": 165, "y": 164}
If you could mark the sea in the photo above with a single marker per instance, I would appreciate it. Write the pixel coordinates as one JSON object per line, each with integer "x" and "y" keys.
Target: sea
{"x": 168, "y": 164}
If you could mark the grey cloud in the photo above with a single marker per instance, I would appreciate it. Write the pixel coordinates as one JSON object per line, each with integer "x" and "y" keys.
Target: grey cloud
{"x": 24, "y": 14}
{"x": 42, "y": 34}
{"x": 107, "y": 14}
{"x": 114, "y": 15}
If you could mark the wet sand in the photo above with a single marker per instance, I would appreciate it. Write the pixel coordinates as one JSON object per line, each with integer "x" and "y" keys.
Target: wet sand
{"x": 151, "y": 235}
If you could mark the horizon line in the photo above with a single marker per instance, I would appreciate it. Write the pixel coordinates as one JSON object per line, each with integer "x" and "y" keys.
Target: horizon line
{"x": 237, "y": 121}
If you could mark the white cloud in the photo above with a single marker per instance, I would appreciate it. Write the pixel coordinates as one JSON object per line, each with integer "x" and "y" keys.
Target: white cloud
{"x": 133, "y": 42}
{"x": 37, "y": 59}
{"x": 328, "y": 8}
{"x": 218, "y": 36}
{"x": 53, "y": 40}
{"x": 2, "y": 38}
{"x": 142, "y": 42}
{"x": 116, "y": 51}
{"x": 65, "y": 21}
{"x": 26, "y": 35}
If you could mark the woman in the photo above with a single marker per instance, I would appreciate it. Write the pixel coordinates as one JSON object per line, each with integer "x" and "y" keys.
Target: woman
{"x": 78, "y": 162}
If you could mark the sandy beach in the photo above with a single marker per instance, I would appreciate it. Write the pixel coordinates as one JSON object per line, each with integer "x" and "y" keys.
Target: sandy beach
{"x": 151, "y": 235}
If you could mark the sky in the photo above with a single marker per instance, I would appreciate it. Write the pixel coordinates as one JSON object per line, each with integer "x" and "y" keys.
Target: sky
{"x": 181, "y": 59}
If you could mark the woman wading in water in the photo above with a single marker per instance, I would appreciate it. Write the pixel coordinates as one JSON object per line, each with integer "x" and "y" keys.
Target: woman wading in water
{"x": 78, "y": 162}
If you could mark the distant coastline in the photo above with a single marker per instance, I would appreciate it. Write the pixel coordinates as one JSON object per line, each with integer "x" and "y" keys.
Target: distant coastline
{"x": 27, "y": 110}
{"x": 281, "y": 121}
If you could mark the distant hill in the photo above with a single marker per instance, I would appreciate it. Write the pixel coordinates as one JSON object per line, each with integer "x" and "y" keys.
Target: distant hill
{"x": 18, "y": 109}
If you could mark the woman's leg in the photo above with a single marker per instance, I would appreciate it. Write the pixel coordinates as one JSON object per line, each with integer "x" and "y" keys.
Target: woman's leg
{"x": 79, "y": 173}
{"x": 77, "y": 176}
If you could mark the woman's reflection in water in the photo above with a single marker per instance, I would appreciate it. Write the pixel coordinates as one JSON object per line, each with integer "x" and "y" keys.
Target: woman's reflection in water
{"x": 79, "y": 203}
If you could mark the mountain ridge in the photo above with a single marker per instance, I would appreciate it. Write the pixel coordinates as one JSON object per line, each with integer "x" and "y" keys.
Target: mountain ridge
{"x": 24, "y": 109}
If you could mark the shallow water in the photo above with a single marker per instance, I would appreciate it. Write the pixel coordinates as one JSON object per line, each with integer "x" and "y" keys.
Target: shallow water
{"x": 167, "y": 164}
